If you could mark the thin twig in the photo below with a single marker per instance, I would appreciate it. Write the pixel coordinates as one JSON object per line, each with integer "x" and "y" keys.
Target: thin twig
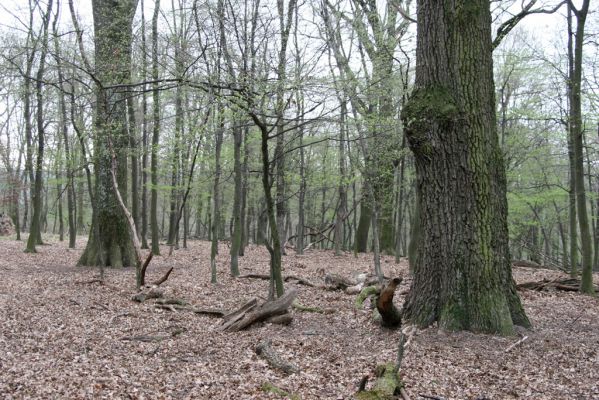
{"x": 516, "y": 344}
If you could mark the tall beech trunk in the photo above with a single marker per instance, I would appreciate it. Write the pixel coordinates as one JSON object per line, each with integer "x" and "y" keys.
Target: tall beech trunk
{"x": 342, "y": 207}
{"x": 144, "y": 137}
{"x": 216, "y": 200}
{"x": 462, "y": 271}
{"x": 280, "y": 104}
{"x": 65, "y": 137}
{"x": 155, "y": 133}
{"x": 576, "y": 134}
{"x": 133, "y": 149}
{"x": 110, "y": 242}
{"x": 237, "y": 202}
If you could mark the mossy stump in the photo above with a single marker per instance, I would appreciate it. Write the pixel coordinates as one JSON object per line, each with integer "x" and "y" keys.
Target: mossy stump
{"x": 387, "y": 385}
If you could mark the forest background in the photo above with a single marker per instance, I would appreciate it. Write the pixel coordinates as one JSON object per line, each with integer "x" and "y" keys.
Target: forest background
{"x": 322, "y": 84}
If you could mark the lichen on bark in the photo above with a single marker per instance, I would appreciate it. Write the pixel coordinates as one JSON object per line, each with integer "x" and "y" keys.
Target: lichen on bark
{"x": 427, "y": 107}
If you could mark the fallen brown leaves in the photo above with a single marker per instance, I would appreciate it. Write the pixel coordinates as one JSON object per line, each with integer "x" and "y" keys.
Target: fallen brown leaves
{"x": 65, "y": 335}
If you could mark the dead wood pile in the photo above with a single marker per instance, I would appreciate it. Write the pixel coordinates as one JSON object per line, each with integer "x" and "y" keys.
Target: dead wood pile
{"x": 251, "y": 312}
{"x": 563, "y": 284}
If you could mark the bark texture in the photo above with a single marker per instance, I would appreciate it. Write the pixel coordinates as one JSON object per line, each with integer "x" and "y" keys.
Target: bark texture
{"x": 110, "y": 242}
{"x": 462, "y": 272}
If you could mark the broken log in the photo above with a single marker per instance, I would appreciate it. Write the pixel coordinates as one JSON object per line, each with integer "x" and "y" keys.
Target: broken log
{"x": 300, "y": 307}
{"x": 265, "y": 350}
{"x": 390, "y": 315}
{"x": 564, "y": 284}
{"x": 387, "y": 386}
{"x": 254, "y": 314}
{"x": 287, "y": 278}
{"x": 284, "y": 319}
{"x": 351, "y": 290}
{"x": 237, "y": 314}
{"x": 178, "y": 307}
{"x": 338, "y": 282}
{"x": 364, "y": 294}
{"x": 148, "y": 293}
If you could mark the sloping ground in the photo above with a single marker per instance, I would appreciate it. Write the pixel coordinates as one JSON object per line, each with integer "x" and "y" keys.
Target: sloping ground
{"x": 62, "y": 336}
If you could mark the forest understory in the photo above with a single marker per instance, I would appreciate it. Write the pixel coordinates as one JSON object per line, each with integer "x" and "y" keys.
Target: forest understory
{"x": 65, "y": 335}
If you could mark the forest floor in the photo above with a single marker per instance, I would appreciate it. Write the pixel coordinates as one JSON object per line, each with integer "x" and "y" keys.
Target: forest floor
{"x": 63, "y": 335}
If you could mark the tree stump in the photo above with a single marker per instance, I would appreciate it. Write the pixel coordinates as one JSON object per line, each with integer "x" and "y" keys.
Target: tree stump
{"x": 390, "y": 315}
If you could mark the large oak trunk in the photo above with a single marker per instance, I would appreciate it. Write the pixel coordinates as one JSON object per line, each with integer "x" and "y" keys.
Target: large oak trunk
{"x": 110, "y": 242}
{"x": 462, "y": 272}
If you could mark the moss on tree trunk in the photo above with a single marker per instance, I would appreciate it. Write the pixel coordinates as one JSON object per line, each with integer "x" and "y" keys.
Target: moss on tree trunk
{"x": 462, "y": 272}
{"x": 110, "y": 242}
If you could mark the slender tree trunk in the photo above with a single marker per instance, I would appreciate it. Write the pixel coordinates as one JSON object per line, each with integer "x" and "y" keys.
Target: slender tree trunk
{"x": 133, "y": 148}
{"x": 70, "y": 181}
{"x": 155, "y": 133}
{"x": 216, "y": 192}
{"x": 576, "y": 133}
{"x": 35, "y": 228}
{"x": 276, "y": 276}
{"x": 281, "y": 201}
{"x": 301, "y": 217}
{"x": 244, "y": 218}
{"x": 237, "y": 201}
{"x": 144, "y": 138}
{"x": 341, "y": 208}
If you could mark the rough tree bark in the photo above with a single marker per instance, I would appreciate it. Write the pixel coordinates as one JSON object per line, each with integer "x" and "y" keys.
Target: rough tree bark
{"x": 110, "y": 242}
{"x": 462, "y": 271}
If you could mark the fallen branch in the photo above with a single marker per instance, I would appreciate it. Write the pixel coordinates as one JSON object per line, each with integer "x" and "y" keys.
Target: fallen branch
{"x": 338, "y": 282}
{"x": 164, "y": 277}
{"x": 140, "y": 266}
{"x": 265, "y": 350}
{"x": 178, "y": 307}
{"x": 404, "y": 393}
{"x": 179, "y": 302}
{"x": 151, "y": 293}
{"x": 259, "y": 313}
{"x": 155, "y": 338}
{"x": 96, "y": 280}
{"x": 564, "y": 284}
{"x": 284, "y": 319}
{"x": 237, "y": 314}
{"x": 430, "y": 396}
{"x": 288, "y": 278}
{"x": 300, "y": 307}
{"x": 519, "y": 342}
{"x": 144, "y": 267}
